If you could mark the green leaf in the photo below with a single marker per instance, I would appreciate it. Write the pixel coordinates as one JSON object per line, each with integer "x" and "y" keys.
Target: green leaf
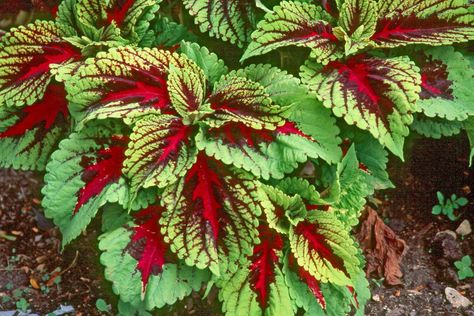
{"x": 102, "y": 306}
{"x": 354, "y": 188}
{"x": 165, "y": 33}
{"x": 435, "y": 127}
{"x": 436, "y": 210}
{"x": 469, "y": 126}
{"x": 213, "y": 67}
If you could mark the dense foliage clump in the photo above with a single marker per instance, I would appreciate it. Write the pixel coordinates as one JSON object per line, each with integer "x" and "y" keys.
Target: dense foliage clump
{"x": 235, "y": 174}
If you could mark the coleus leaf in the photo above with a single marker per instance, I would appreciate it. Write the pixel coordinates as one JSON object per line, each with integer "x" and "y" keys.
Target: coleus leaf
{"x": 372, "y": 158}
{"x": 143, "y": 272}
{"x": 355, "y": 185}
{"x": 357, "y": 21}
{"x": 27, "y": 54}
{"x": 91, "y": 17}
{"x": 30, "y": 134}
{"x": 160, "y": 151}
{"x": 211, "y": 218}
{"x": 84, "y": 174}
{"x": 433, "y": 22}
{"x": 298, "y": 24}
{"x": 225, "y": 19}
{"x": 435, "y": 127}
{"x": 187, "y": 89}
{"x": 315, "y": 297}
{"x": 240, "y": 100}
{"x": 469, "y": 126}
{"x": 446, "y": 83}
{"x": 213, "y": 67}
{"x": 258, "y": 288}
{"x": 376, "y": 94}
{"x": 322, "y": 247}
{"x": 121, "y": 83}
{"x": 165, "y": 33}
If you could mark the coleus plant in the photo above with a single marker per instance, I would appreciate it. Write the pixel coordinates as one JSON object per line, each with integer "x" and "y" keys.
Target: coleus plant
{"x": 239, "y": 179}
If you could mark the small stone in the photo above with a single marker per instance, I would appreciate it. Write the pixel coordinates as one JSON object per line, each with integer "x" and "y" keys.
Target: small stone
{"x": 376, "y": 298}
{"x": 448, "y": 232}
{"x": 464, "y": 229}
{"x": 456, "y": 299}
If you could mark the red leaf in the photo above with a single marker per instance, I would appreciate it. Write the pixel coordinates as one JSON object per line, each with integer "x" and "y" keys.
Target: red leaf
{"x": 142, "y": 87}
{"x": 151, "y": 255}
{"x": 43, "y": 113}
{"x": 317, "y": 242}
{"x": 53, "y": 53}
{"x": 412, "y": 29}
{"x": 311, "y": 281}
{"x": 360, "y": 75}
{"x": 263, "y": 261}
{"x": 105, "y": 170}
{"x": 290, "y": 128}
{"x": 434, "y": 78}
{"x": 206, "y": 183}
{"x": 119, "y": 11}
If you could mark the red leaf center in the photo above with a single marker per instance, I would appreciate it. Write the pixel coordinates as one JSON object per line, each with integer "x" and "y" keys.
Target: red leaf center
{"x": 47, "y": 111}
{"x": 264, "y": 259}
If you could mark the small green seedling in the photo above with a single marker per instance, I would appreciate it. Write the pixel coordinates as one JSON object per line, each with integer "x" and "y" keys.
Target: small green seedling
{"x": 102, "y": 306}
{"x": 464, "y": 267}
{"x": 22, "y": 305}
{"x": 447, "y": 206}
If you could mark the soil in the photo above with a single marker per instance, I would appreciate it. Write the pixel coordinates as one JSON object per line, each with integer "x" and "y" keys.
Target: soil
{"x": 32, "y": 266}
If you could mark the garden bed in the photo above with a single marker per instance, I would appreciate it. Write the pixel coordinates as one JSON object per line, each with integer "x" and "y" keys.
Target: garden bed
{"x": 32, "y": 267}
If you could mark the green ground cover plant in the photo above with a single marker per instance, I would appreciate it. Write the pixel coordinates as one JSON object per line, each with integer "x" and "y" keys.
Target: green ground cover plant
{"x": 216, "y": 155}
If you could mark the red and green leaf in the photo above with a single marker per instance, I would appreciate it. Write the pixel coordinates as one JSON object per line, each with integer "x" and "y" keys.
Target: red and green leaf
{"x": 296, "y": 24}
{"x": 160, "y": 151}
{"x": 211, "y": 218}
{"x": 26, "y": 57}
{"x": 85, "y": 173}
{"x": 373, "y": 93}
{"x": 229, "y": 20}
{"x": 30, "y": 134}
{"x": 323, "y": 247}
{"x": 433, "y": 22}
{"x": 237, "y": 99}
{"x": 147, "y": 244}
{"x": 260, "y": 283}
{"x": 446, "y": 83}
{"x": 143, "y": 271}
{"x": 122, "y": 83}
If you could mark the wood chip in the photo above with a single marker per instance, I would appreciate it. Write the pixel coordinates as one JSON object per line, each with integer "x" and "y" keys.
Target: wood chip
{"x": 34, "y": 283}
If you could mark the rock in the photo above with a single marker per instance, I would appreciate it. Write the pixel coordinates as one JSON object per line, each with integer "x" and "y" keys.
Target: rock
{"x": 456, "y": 299}
{"x": 447, "y": 232}
{"x": 464, "y": 228}
{"x": 376, "y": 298}
{"x": 446, "y": 246}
